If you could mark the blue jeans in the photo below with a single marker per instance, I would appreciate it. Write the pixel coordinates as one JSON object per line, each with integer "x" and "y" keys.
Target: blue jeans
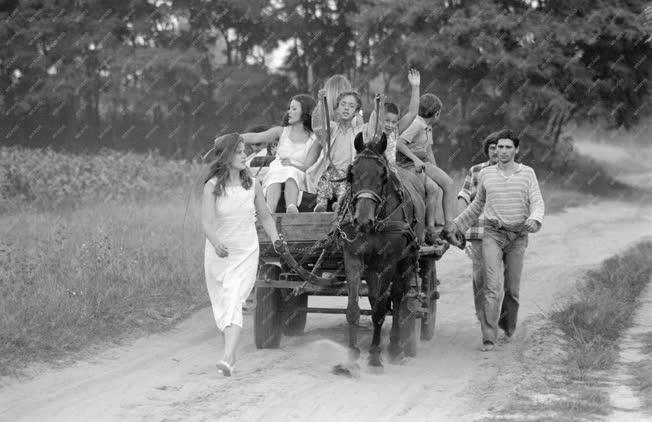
{"x": 502, "y": 253}
{"x": 474, "y": 251}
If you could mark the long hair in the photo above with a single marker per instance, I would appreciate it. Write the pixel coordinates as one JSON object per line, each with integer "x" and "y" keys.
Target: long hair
{"x": 334, "y": 86}
{"x": 225, "y": 148}
{"x": 307, "y": 107}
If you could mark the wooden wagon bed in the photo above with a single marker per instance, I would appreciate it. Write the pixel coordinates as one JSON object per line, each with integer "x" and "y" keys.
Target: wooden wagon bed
{"x": 282, "y": 294}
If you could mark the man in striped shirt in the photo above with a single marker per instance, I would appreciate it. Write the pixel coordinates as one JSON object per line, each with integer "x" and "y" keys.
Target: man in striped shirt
{"x": 509, "y": 195}
{"x": 474, "y": 234}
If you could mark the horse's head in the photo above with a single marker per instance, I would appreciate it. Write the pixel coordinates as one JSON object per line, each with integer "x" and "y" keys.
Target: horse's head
{"x": 367, "y": 177}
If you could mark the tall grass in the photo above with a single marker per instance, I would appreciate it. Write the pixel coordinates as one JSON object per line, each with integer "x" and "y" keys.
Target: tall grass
{"x": 92, "y": 247}
{"x": 44, "y": 179}
{"x": 70, "y": 279}
{"x": 602, "y": 308}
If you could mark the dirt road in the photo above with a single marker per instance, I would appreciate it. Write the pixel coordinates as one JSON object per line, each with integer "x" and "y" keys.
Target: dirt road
{"x": 171, "y": 376}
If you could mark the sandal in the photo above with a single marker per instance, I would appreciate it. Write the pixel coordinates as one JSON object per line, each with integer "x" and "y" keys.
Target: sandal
{"x": 224, "y": 368}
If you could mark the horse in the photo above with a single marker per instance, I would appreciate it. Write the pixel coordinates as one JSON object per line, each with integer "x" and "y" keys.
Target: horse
{"x": 380, "y": 233}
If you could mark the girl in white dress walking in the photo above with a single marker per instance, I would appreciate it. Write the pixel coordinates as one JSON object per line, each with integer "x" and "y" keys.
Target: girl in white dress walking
{"x": 231, "y": 201}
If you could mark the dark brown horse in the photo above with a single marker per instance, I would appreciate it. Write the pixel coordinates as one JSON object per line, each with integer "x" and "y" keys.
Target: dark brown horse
{"x": 380, "y": 234}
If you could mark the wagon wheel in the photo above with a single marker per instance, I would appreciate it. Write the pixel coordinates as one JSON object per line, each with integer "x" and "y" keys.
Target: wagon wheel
{"x": 429, "y": 288}
{"x": 294, "y": 322}
{"x": 408, "y": 323}
{"x": 267, "y": 316}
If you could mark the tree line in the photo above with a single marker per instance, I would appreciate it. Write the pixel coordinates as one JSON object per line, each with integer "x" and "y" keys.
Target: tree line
{"x": 141, "y": 74}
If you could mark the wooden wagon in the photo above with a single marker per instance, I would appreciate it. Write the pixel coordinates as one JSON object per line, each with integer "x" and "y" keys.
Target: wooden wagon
{"x": 282, "y": 293}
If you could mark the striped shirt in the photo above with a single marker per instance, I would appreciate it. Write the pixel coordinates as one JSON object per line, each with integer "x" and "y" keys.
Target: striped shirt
{"x": 507, "y": 201}
{"x": 468, "y": 192}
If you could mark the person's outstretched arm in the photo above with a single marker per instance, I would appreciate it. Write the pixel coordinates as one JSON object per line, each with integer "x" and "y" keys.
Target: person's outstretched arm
{"x": 266, "y": 137}
{"x": 415, "y": 82}
{"x": 473, "y": 211}
{"x": 263, "y": 213}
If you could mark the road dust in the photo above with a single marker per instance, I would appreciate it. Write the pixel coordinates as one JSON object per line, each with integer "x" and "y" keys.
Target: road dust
{"x": 627, "y": 161}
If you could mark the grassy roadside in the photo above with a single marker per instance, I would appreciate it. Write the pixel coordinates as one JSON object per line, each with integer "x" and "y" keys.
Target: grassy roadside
{"x": 69, "y": 280}
{"x": 643, "y": 374}
{"x": 565, "y": 363}
{"x": 602, "y": 309}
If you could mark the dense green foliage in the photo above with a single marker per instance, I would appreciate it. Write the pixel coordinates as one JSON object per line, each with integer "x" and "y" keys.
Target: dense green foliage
{"x": 169, "y": 75}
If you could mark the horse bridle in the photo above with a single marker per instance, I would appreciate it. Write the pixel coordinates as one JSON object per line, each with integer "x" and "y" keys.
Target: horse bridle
{"x": 381, "y": 224}
{"x": 368, "y": 193}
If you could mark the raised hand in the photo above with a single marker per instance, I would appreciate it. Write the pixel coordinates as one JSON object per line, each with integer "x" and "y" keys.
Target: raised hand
{"x": 414, "y": 77}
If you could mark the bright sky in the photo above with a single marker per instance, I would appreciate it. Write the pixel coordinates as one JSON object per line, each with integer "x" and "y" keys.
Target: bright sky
{"x": 275, "y": 59}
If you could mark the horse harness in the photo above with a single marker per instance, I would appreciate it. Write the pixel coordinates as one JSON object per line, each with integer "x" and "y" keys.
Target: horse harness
{"x": 382, "y": 224}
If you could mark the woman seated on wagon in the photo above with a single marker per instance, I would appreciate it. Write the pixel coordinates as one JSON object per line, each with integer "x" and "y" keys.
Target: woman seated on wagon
{"x": 296, "y": 152}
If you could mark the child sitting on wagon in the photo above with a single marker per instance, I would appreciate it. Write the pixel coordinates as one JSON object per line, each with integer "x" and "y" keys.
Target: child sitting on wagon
{"x": 392, "y": 127}
{"x": 327, "y": 176}
{"x": 295, "y": 154}
{"x": 414, "y": 151}
{"x": 344, "y": 111}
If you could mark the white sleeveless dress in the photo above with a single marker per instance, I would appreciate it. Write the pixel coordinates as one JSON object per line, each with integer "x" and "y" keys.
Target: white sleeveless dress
{"x": 230, "y": 280}
{"x": 295, "y": 152}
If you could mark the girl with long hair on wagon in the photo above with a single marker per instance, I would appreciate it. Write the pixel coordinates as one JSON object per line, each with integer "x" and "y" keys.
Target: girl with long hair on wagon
{"x": 296, "y": 152}
{"x": 231, "y": 201}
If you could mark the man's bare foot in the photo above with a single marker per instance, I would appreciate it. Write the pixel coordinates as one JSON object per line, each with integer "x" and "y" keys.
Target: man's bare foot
{"x": 487, "y": 346}
{"x": 507, "y": 338}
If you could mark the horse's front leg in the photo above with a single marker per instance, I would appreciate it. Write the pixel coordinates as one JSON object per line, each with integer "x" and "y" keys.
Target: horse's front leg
{"x": 353, "y": 268}
{"x": 395, "y": 348}
{"x": 379, "y": 312}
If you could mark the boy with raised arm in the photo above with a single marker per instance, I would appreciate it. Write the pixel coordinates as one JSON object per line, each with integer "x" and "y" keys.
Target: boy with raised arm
{"x": 414, "y": 148}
